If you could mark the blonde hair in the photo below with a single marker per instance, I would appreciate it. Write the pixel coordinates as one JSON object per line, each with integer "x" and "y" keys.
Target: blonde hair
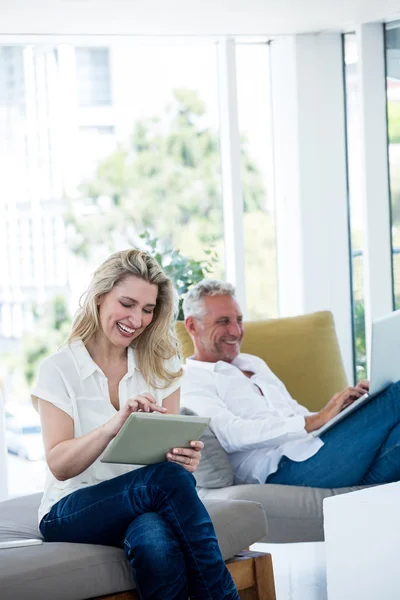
{"x": 157, "y": 343}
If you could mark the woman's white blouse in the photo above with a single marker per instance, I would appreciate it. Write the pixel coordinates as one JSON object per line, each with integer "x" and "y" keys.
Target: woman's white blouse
{"x": 72, "y": 381}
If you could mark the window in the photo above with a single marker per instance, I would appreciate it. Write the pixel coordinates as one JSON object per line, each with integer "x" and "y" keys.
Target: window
{"x": 253, "y": 84}
{"x": 156, "y": 159}
{"x": 355, "y": 199}
{"x": 393, "y": 108}
{"x": 131, "y": 158}
{"x": 94, "y": 166}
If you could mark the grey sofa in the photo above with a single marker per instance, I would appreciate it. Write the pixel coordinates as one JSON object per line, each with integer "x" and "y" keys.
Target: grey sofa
{"x": 294, "y": 514}
{"x": 62, "y": 571}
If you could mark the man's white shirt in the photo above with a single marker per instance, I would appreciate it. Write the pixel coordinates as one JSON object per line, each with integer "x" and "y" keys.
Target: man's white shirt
{"x": 255, "y": 419}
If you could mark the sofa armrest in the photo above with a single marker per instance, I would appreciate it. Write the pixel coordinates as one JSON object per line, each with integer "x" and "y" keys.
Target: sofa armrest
{"x": 238, "y": 524}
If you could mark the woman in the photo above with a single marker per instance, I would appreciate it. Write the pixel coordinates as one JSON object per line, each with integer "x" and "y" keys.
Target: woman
{"x": 120, "y": 358}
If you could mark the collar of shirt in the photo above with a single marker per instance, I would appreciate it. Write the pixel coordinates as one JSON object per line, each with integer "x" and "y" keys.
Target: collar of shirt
{"x": 86, "y": 365}
{"x": 244, "y": 362}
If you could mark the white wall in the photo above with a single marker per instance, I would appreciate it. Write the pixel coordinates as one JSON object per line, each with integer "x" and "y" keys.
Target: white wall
{"x": 310, "y": 181}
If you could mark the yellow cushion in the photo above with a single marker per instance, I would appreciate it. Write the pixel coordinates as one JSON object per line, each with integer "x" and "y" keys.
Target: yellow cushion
{"x": 302, "y": 351}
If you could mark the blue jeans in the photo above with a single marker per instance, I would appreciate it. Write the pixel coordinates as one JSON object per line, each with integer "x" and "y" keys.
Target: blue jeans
{"x": 156, "y": 516}
{"x": 363, "y": 449}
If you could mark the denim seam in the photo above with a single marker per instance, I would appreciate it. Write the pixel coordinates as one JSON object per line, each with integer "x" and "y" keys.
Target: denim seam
{"x": 388, "y": 451}
{"x": 81, "y": 510}
{"x": 126, "y": 543}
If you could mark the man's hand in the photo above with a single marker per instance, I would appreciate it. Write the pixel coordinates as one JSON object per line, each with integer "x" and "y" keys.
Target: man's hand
{"x": 336, "y": 404}
{"x": 189, "y": 458}
{"x": 363, "y": 384}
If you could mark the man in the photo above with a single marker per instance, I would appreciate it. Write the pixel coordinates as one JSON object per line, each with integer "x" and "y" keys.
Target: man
{"x": 265, "y": 432}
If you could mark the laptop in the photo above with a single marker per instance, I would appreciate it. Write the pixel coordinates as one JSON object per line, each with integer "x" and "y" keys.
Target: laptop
{"x": 384, "y": 365}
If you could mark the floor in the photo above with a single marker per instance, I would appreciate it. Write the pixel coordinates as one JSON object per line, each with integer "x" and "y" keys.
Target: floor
{"x": 299, "y": 570}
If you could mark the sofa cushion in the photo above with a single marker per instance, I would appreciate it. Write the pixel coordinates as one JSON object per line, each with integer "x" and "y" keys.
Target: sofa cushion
{"x": 302, "y": 351}
{"x": 63, "y": 571}
{"x": 78, "y": 571}
{"x": 18, "y": 518}
{"x": 294, "y": 513}
{"x": 214, "y": 470}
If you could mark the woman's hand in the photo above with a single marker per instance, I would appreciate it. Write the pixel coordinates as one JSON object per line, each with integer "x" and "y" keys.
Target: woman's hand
{"x": 189, "y": 458}
{"x": 141, "y": 403}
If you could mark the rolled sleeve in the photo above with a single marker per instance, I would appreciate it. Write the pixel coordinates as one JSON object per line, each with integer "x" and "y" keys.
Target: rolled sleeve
{"x": 50, "y": 386}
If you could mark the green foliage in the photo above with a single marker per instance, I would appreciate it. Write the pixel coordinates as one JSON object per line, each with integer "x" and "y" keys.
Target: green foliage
{"x": 183, "y": 271}
{"x": 260, "y": 265}
{"x": 52, "y": 323}
{"x": 359, "y": 330}
{"x": 164, "y": 178}
{"x": 393, "y": 122}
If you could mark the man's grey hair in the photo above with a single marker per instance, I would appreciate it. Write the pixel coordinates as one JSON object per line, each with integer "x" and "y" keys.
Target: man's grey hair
{"x": 192, "y": 304}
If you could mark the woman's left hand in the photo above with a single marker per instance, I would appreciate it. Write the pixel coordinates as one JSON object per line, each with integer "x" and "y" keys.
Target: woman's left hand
{"x": 189, "y": 458}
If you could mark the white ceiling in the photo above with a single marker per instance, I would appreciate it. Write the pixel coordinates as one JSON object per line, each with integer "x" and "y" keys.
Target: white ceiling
{"x": 190, "y": 17}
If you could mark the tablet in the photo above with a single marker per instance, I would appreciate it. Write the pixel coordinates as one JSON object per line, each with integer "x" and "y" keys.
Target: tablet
{"x": 145, "y": 438}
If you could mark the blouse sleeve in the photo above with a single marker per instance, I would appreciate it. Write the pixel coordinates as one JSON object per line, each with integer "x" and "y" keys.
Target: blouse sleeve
{"x": 50, "y": 386}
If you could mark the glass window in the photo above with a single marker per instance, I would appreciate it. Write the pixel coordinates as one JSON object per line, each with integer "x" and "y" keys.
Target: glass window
{"x": 393, "y": 108}
{"x": 355, "y": 199}
{"x": 253, "y": 84}
{"x": 104, "y": 144}
{"x": 80, "y": 184}
{"x": 158, "y": 168}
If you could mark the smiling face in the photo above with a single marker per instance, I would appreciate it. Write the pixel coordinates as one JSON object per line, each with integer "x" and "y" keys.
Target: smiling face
{"x": 127, "y": 310}
{"x": 218, "y": 334}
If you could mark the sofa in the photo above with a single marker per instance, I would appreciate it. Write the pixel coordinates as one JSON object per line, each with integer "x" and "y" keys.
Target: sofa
{"x": 304, "y": 353}
{"x": 64, "y": 571}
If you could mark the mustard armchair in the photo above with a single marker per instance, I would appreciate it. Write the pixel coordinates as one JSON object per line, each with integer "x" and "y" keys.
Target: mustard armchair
{"x": 302, "y": 351}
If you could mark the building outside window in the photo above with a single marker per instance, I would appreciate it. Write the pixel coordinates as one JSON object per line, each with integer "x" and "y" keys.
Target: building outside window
{"x": 93, "y": 76}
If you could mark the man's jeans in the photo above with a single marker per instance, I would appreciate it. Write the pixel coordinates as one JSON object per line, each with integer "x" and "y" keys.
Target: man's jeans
{"x": 155, "y": 514}
{"x": 363, "y": 449}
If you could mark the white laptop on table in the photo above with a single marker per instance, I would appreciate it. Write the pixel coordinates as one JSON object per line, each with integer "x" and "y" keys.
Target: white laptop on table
{"x": 385, "y": 364}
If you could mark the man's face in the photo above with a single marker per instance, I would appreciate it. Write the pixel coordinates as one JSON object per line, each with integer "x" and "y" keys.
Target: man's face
{"x": 218, "y": 334}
